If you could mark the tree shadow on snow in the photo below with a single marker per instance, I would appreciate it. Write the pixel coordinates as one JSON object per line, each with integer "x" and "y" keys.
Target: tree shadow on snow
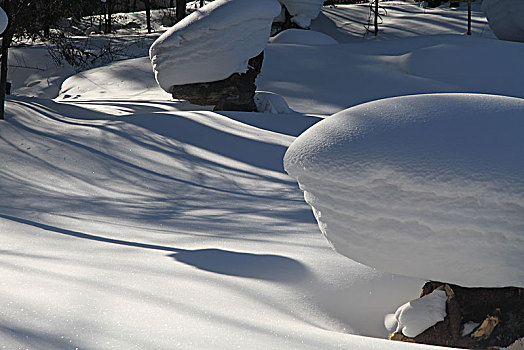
{"x": 267, "y": 267}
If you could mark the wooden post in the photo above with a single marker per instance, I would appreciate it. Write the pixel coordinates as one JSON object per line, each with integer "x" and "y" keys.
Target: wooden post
{"x": 469, "y": 17}
{"x": 376, "y": 17}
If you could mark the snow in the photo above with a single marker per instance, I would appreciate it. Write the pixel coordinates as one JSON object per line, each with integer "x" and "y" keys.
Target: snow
{"x": 302, "y": 37}
{"x": 469, "y": 327}
{"x": 417, "y": 315}
{"x": 268, "y": 102}
{"x": 130, "y": 220}
{"x": 302, "y": 11}
{"x": 213, "y": 42}
{"x": 3, "y": 20}
{"x": 428, "y": 186}
{"x": 505, "y": 18}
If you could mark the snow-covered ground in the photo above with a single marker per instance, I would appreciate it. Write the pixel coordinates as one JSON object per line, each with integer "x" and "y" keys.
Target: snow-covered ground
{"x": 129, "y": 220}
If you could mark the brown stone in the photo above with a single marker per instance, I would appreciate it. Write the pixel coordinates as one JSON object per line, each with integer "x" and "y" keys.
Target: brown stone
{"x": 234, "y": 93}
{"x": 498, "y": 311}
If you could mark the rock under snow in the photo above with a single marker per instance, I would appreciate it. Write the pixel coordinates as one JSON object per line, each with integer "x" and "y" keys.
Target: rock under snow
{"x": 505, "y": 18}
{"x": 213, "y": 42}
{"x": 302, "y": 37}
{"x": 429, "y": 186}
{"x": 303, "y": 11}
{"x": 415, "y": 316}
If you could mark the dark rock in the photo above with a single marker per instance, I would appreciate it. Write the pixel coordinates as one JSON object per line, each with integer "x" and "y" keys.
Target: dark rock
{"x": 234, "y": 93}
{"x": 499, "y": 313}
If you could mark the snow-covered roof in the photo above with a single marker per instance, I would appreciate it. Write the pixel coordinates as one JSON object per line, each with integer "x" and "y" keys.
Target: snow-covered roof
{"x": 428, "y": 186}
{"x": 213, "y": 42}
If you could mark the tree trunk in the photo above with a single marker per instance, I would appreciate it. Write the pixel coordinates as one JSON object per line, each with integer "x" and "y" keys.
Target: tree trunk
{"x": 201, "y": 3}
{"x": 147, "y": 3}
{"x": 7, "y": 37}
{"x": 180, "y": 9}
{"x": 6, "y": 42}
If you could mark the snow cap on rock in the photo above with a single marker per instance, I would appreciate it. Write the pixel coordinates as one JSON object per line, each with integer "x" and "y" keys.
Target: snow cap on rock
{"x": 415, "y": 316}
{"x": 428, "y": 186}
{"x": 213, "y": 42}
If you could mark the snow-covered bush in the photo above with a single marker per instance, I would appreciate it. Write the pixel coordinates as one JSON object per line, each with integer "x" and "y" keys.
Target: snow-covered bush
{"x": 213, "y": 42}
{"x": 506, "y": 18}
{"x": 429, "y": 186}
{"x": 303, "y": 11}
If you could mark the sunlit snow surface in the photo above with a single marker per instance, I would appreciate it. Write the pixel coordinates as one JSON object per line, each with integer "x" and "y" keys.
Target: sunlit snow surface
{"x": 428, "y": 186}
{"x": 130, "y": 220}
{"x": 213, "y": 42}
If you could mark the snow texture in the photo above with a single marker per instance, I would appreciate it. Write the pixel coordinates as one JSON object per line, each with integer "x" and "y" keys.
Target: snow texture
{"x": 303, "y": 11}
{"x": 302, "y": 37}
{"x": 213, "y": 42}
{"x": 268, "y": 102}
{"x": 417, "y": 315}
{"x": 506, "y": 18}
{"x": 428, "y": 186}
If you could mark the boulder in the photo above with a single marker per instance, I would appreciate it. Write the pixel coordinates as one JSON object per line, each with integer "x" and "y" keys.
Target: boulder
{"x": 235, "y": 93}
{"x": 477, "y": 318}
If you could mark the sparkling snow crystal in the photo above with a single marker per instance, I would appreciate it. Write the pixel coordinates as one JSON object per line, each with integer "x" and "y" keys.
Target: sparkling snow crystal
{"x": 213, "y": 42}
{"x": 428, "y": 186}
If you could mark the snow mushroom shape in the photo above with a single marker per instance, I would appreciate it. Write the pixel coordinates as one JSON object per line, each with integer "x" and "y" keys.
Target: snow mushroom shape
{"x": 505, "y": 18}
{"x": 429, "y": 186}
{"x": 213, "y": 42}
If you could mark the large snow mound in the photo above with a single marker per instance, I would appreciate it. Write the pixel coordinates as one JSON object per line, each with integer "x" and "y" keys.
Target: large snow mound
{"x": 430, "y": 186}
{"x": 505, "y": 18}
{"x": 213, "y": 42}
{"x": 302, "y": 37}
{"x": 303, "y": 11}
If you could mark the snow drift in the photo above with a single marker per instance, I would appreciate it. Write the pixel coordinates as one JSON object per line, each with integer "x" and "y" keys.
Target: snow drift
{"x": 430, "y": 186}
{"x": 213, "y": 42}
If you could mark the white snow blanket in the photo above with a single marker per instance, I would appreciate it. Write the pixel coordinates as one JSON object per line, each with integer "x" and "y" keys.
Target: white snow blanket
{"x": 417, "y": 315}
{"x": 506, "y": 18}
{"x": 430, "y": 186}
{"x": 303, "y": 11}
{"x": 213, "y": 42}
